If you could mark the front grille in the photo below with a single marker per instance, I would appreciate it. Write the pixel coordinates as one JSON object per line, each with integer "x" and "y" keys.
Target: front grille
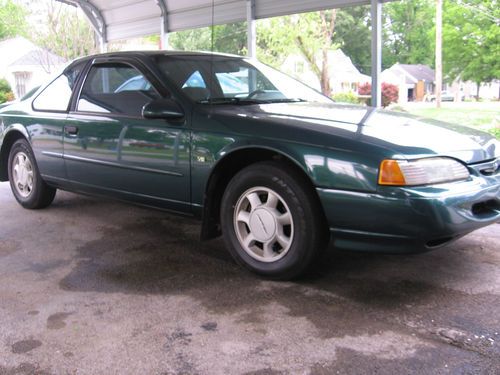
{"x": 487, "y": 168}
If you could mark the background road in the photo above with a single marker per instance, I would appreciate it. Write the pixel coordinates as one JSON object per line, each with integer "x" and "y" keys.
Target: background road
{"x": 89, "y": 286}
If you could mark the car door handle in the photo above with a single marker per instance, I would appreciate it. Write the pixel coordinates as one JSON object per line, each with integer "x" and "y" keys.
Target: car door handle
{"x": 71, "y": 130}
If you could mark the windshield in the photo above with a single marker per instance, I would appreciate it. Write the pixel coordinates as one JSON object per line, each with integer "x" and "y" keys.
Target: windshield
{"x": 219, "y": 79}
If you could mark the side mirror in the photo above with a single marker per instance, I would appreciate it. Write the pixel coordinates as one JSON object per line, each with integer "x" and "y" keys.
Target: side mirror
{"x": 166, "y": 109}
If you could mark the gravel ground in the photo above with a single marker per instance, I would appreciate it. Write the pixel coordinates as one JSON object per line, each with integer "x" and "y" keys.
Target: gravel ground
{"x": 89, "y": 286}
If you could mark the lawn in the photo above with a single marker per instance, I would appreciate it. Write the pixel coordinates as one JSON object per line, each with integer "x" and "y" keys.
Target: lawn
{"x": 483, "y": 116}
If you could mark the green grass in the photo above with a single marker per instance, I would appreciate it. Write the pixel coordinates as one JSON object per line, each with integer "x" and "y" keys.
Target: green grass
{"x": 480, "y": 117}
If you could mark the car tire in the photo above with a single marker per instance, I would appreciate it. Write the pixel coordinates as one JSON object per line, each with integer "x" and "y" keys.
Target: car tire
{"x": 27, "y": 185}
{"x": 272, "y": 222}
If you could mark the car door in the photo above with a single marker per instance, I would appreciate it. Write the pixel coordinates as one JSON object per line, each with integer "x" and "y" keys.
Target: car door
{"x": 110, "y": 148}
{"x": 46, "y": 123}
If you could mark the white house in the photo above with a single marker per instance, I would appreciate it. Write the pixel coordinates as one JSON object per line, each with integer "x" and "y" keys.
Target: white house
{"x": 414, "y": 82}
{"x": 344, "y": 76}
{"x": 25, "y": 65}
{"x": 468, "y": 89}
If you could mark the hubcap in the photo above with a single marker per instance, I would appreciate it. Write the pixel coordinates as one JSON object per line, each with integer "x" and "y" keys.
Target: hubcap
{"x": 263, "y": 224}
{"x": 22, "y": 173}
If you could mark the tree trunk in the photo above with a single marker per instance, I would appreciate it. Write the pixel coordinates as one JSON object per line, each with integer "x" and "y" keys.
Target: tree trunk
{"x": 325, "y": 76}
{"x": 478, "y": 88}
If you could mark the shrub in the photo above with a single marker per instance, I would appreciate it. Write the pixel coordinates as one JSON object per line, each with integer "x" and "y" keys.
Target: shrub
{"x": 390, "y": 92}
{"x": 6, "y": 93}
{"x": 495, "y": 132}
{"x": 346, "y": 97}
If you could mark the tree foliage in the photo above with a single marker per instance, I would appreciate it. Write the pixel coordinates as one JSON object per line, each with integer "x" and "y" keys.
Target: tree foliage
{"x": 310, "y": 34}
{"x": 67, "y": 33}
{"x": 408, "y": 32}
{"x": 352, "y": 35}
{"x": 390, "y": 92}
{"x": 5, "y": 91}
{"x": 471, "y": 40}
{"x": 12, "y": 19}
{"x": 229, "y": 38}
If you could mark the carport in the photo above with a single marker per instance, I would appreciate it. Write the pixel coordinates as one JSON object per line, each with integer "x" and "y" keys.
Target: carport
{"x": 122, "y": 19}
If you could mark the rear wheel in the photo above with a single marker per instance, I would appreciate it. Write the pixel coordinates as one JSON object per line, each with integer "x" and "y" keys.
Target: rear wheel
{"x": 25, "y": 180}
{"x": 271, "y": 222}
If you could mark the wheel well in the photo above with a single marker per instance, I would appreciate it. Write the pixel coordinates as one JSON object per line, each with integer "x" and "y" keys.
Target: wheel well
{"x": 225, "y": 171}
{"x": 8, "y": 141}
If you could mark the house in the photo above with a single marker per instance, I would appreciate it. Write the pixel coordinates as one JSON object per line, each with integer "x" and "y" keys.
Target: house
{"x": 25, "y": 65}
{"x": 415, "y": 82}
{"x": 468, "y": 89}
{"x": 344, "y": 76}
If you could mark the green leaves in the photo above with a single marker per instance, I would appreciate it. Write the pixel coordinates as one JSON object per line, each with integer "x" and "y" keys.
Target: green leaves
{"x": 229, "y": 38}
{"x": 409, "y": 32}
{"x": 12, "y": 19}
{"x": 471, "y": 40}
{"x": 5, "y": 91}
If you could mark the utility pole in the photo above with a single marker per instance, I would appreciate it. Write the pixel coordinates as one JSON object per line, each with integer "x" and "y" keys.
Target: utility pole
{"x": 439, "y": 51}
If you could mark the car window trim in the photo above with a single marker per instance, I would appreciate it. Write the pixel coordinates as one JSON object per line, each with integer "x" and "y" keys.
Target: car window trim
{"x": 103, "y": 61}
{"x": 73, "y": 92}
{"x": 50, "y": 110}
{"x": 105, "y": 114}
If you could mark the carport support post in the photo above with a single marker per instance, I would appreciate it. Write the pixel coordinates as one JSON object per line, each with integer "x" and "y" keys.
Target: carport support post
{"x": 164, "y": 24}
{"x": 376, "y": 14}
{"x": 102, "y": 44}
{"x": 163, "y": 36}
{"x": 251, "y": 30}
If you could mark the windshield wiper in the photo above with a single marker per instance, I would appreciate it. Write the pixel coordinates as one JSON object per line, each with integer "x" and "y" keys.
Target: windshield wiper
{"x": 285, "y": 100}
{"x": 230, "y": 100}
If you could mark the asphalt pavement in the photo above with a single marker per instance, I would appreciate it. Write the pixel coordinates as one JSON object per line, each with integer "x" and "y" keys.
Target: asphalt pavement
{"x": 91, "y": 286}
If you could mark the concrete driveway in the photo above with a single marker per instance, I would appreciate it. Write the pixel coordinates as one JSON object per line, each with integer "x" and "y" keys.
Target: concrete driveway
{"x": 89, "y": 286}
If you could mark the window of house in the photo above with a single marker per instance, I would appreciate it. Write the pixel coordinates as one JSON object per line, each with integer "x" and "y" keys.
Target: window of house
{"x": 115, "y": 88}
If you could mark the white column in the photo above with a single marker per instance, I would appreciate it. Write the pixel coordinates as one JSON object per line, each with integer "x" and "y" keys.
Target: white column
{"x": 251, "y": 29}
{"x": 103, "y": 46}
{"x": 163, "y": 36}
{"x": 376, "y": 14}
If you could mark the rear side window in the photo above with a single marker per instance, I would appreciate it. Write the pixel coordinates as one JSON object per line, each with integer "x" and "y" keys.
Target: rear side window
{"x": 57, "y": 95}
{"x": 115, "y": 88}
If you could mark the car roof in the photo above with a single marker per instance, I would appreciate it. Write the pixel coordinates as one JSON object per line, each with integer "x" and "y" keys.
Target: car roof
{"x": 139, "y": 54}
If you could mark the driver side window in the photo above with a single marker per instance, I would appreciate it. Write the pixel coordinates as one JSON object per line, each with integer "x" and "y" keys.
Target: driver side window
{"x": 117, "y": 89}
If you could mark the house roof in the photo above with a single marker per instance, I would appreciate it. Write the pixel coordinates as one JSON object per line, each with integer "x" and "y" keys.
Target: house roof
{"x": 20, "y": 51}
{"x": 39, "y": 56}
{"x": 418, "y": 72}
{"x": 339, "y": 64}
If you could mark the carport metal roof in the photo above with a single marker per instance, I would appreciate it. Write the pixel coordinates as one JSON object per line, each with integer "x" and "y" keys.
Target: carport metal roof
{"x": 121, "y": 19}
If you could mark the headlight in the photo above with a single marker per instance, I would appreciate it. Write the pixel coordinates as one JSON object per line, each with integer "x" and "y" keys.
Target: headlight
{"x": 421, "y": 172}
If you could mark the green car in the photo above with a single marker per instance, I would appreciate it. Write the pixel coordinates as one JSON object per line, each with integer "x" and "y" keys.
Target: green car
{"x": 275, "y": 167}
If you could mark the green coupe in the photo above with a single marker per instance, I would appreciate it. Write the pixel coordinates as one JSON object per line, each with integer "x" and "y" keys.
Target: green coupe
{"x": 275, "y": 167}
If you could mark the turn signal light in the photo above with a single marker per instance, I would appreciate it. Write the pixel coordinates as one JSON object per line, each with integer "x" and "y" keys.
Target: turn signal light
{"x": 390, "y": 173}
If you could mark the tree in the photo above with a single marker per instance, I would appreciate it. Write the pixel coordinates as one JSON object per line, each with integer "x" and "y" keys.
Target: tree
{"x": 229, "y": 38}
{"x": 353, "y": 36}
{"x": 12, "y": 19}
{"x": 471, "y": 35}
{"x": 307, "y": 34}
{"x": 409, "y": 32}
{"x": 68, "y": 33}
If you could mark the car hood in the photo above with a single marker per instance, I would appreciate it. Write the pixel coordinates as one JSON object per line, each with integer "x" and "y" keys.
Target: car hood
{"x": 406, "y": 135}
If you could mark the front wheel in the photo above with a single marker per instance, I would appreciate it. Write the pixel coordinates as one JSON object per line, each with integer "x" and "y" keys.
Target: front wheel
{"x": 271, "y": 221}
{"x": 25, "y": 180}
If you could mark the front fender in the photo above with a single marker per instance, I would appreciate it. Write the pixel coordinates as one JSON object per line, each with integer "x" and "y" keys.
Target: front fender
{"x": 8, "y": 134}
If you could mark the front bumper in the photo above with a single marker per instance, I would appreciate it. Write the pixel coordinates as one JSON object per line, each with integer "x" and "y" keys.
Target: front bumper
{"x": 404, "y": 220}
